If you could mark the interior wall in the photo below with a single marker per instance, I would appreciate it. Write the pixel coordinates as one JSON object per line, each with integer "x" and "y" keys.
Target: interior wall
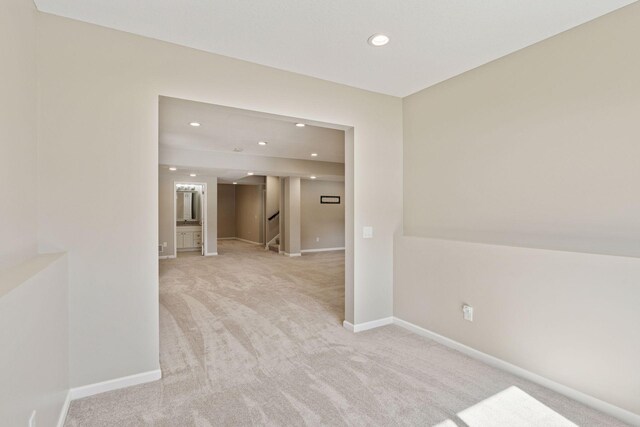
{"x": 249, "y": 213}
{"x": 35, "y": 335}
{"x": 166, "y": 184}
{"x": 18, "y": 132}
{"x": 537, "y": 149}
{"x": 99, "y": 119}
{"x": 291, "y": 203}
{"x": 321, "y": 225}
{"x": 226, "y": 211}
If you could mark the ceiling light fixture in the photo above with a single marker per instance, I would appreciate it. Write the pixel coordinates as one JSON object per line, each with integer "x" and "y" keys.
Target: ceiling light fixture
{"x": 194, "y": 124}
{"x": 300, "y": 125}
{"x": 378, "y": 40}
{"x": 312, "y": 177}
{"x": 249, "y": 173}
{"x": 314, "y": 154}
{"x": 173, "y": 169}
{"x": 192, "y": 174}
{"x": 262, "y": 143}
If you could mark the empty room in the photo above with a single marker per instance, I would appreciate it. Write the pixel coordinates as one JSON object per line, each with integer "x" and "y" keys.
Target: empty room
{"x": 285, "y": 212}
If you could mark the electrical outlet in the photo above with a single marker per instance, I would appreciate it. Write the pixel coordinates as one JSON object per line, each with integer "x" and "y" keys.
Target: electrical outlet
{"x": 467, "y": 312}
{"x": 367, "y": 232}
{"x": 317, "y": 239}
{"x": 32, "y": 419}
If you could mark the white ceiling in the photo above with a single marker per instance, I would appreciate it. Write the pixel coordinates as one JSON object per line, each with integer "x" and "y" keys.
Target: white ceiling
{"x": 229, "y": 176}
{"x": 225, "y": 129}
{"x": 431, "y": 40}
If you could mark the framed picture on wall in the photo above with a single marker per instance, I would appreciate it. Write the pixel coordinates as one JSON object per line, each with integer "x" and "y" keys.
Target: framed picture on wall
{"x": 330, "y": 200}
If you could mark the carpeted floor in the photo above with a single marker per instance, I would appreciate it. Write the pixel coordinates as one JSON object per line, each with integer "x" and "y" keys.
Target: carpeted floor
{"x": 253, "y": 338}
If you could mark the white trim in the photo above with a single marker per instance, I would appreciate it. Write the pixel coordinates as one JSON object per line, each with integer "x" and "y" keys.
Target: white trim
{"x": 248, "y": 241}
{"x": 273, "y": 240}
{"x": 360, "y": 327}
{"x": 348, "y": 326}
{"x": 213, "y": 254}
{"x": 115, "y": 384}
{"x": 322, "y": 250}
{"x": 64, "y": 410}
{"x": 167, "y": 257}
{"x": 600, "y": 405}
{"x": 226, "y": 238}
{"x": 291, "y": 255}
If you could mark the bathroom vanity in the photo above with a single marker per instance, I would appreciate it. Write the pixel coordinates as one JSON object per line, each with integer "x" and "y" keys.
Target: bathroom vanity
{"x": 188, "y": 237}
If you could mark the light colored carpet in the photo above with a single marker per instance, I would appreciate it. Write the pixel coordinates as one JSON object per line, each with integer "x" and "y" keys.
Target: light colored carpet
{"x": 253, "y": 338}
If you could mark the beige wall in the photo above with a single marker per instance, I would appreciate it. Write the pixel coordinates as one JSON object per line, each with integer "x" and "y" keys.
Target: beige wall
{"x": 537, "y": 149}
{"x": 290, "y": 243}
{"x": 226, "y": 210}
{"x": 166, "y": 184}
{"x": 34, "y": 360}
{"x": 99, "y": 119}
{"x": 18, "y": 131}
{"x": 249, "y": 213}
{"x": 323, "y": 221}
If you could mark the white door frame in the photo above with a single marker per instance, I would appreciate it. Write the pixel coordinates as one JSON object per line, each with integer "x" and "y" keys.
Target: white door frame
{"x": 204, "y": 215}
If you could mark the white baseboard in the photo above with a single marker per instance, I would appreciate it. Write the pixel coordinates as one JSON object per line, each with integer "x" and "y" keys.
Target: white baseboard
{"x": 288, "y": 254}
{"x": 348, "y": 326}
{"x": 65, "y": 409}
{"x": 226, "y": 238}
{"x": 115, "y": 384}
{"x": 359, "y": 327}
{"x": 166, "y": 257}
{"x": 322, "y": 250}
{"x": 248, "y": 241}
{"x": 211, "y": 254}
{"x": 600, "y": 405}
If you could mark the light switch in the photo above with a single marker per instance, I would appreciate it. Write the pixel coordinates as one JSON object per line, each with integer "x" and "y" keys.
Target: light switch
{"x": 467, "y": 312}
{"x": 367, "y": 232}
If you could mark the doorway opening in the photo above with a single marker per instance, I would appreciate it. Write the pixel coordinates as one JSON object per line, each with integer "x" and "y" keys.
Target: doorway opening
{"x": 276, "y": 186}
{"x": 190, "y": 218}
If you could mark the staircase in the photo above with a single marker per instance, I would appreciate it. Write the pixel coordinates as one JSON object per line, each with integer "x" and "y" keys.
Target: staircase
{"x": 275, "y": 246}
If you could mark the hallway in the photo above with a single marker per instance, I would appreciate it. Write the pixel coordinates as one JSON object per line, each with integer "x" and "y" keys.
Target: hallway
{"x": 253, "y": 338}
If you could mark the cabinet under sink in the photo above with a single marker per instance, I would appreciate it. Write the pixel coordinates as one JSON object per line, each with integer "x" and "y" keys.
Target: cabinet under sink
{"x": 188, "y": 237}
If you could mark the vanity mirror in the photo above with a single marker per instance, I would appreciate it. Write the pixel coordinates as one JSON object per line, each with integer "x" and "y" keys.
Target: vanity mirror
{"x": 188, "y": 204}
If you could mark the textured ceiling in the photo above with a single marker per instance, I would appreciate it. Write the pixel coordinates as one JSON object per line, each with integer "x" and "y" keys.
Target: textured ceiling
{"x": 431, "y": 40}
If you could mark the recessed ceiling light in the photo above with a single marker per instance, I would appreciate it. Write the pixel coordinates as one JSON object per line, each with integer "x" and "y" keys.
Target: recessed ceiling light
{"x": 314, "y": 154}
{"x": 312, "y": 177}
{"x": 378, "y": 40}
{"x": 173, "y": 169}
{"x": 194, "y": 124}
{"x": 249, "y": 173}
{"x": 192, "y": 174}
{"x": 235, "y": 183}
{"x": 262, "y": 143}
{"x": 300, "y": 125}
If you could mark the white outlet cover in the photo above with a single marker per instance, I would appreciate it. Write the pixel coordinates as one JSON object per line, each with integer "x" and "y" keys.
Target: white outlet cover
{"x": 367, "y": 232}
